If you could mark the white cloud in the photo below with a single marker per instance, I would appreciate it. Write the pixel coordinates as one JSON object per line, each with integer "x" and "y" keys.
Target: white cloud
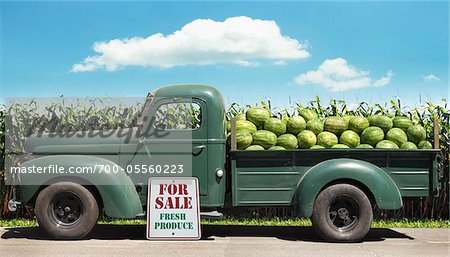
{"x": 240, "y": 40}
{"x": 337, "y": 75}
{"x": 385, "y": 80}
{"x": 280, "y": 62}
{"x": 431, "y": 78}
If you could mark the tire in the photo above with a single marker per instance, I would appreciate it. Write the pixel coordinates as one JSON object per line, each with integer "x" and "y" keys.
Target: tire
{"x": 66, "y": 210}
{"x": 342, "y": 213}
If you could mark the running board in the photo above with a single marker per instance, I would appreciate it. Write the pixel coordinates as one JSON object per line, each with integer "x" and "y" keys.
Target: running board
{"x": 211, "y": 215}
{"x": 142, "y": 215}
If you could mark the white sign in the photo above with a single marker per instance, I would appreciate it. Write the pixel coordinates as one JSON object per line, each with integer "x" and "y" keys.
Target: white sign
{"x": 173, "y": 211}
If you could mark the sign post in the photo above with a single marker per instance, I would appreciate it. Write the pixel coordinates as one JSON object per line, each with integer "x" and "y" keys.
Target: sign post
{"x": 173, "y": 211}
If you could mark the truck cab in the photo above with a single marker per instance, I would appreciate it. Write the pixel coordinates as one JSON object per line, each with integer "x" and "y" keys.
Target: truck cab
{"x": 200, "y": 137}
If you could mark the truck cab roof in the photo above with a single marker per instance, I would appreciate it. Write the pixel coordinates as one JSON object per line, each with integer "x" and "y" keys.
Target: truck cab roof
{"x": 189, "y": 90}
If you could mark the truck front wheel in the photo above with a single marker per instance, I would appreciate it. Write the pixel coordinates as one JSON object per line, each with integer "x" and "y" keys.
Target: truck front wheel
{"x": 342, "y": 213}
{"x": 66, "y": 210}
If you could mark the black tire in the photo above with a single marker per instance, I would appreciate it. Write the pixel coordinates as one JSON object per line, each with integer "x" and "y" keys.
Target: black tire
{"x": 342, "y": 213}
{"x": 66, "y": 210}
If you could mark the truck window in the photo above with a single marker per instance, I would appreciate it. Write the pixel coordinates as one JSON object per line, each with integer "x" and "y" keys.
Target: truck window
{"x": 178, "y": 116}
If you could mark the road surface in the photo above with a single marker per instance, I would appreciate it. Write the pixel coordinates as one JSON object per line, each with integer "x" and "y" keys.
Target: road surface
{"x": 217, "y": 241}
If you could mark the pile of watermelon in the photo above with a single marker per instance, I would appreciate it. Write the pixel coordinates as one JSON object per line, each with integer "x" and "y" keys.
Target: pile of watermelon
{"x": 257, "y": 130}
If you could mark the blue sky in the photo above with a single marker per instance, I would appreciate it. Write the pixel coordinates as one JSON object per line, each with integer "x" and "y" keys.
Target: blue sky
{"x": 400, "y": 46}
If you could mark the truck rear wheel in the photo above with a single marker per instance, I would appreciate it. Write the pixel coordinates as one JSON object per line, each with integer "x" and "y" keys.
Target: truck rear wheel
{"x": 342, "y": 213}
{"x": 66, "y": 210}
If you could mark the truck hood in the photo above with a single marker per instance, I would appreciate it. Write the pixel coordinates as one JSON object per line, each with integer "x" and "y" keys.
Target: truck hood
{"x": 82, "y": 142}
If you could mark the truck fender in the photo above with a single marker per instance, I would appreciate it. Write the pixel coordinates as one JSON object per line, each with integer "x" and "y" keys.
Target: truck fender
{"x": 383, "y": 189}
{"x": 117, "y": 191}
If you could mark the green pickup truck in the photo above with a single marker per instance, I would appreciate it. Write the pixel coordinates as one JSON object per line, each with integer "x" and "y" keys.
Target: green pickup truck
{"x": 336, "y": 188}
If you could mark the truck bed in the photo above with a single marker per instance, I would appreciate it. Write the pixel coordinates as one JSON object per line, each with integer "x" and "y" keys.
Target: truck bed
{"x": 271, "y": 177}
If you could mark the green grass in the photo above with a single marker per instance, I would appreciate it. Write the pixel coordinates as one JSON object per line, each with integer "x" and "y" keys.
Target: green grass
{"x": 18, "y": 223}
{"x": 300, "y": 222}
{"x": 403, "y": 223}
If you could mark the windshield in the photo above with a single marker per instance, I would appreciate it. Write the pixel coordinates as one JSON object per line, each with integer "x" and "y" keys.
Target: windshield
{"x": 145, "y": 109}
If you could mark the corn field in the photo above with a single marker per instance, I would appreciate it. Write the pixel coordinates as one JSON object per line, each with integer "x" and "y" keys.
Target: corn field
{"x": 80, "y": 116}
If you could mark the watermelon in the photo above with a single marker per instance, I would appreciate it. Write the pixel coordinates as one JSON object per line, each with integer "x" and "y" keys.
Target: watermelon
{"x": 364, "y": 146}
{"x": 264, "y": 138}
{"x": 306, "y": 139}
{"x": 372, "y": 135}
{"x": 350, "y": 138}
{"x": 317, "y": 147}
{"x": 335, "y": 125}
{"x": 245, "y": 125}
{"x": 244, "y": 139}
{"x": 424, "y": 145}
{"x": 402, "y": 123}
{"x": 277, "y": 147}
{"x": 358, "y": 124}
{"x": 254, "y": 148}
{"x": 408, "y": 146}
{"x": 287, "y": 141}
{"x": 386, "y": 144}
{"x": 258, "y": 116}
{"x": 340, "y": 146}
{"x": 295, "y": 124}
{"x": 397, "y": 135}
{"x": 240, "y": 116}
{"x": 308, "y": 114}
{"x": 228, "y": 126}
{"x": 315, "y": 126}
{"x": 327, "y": 139}
{"x": 416, "y": 133}
{"x": 285, "y": 120}
{"x": 381, "y": 121}
{"x": 347, "y": 118}
{"x": 275, "y": 125}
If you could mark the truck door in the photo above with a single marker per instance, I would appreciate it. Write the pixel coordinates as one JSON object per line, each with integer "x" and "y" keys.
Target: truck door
{"x": 177, "y": 143}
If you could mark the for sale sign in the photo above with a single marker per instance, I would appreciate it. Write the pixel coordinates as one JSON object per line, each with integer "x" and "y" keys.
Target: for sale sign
{"x": 173, "y": 211}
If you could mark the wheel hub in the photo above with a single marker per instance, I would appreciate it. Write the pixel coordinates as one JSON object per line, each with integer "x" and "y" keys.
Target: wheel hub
{"x": 343, "y": 213}
{"x": 66, "y": 209}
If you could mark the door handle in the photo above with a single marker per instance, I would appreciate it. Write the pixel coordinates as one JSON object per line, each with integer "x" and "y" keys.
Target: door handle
{"x": 198, "y": 150}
